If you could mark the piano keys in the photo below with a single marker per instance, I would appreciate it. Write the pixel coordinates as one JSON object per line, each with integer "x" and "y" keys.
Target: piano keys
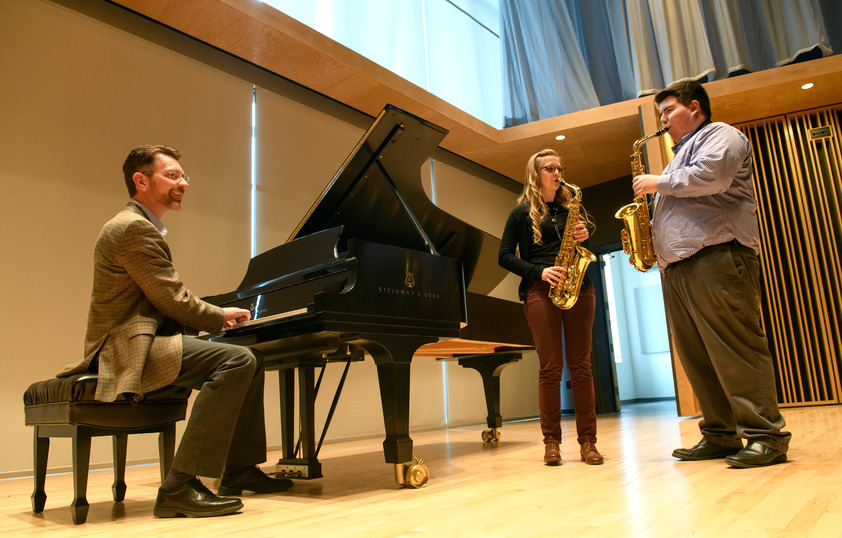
{"x": 376, "y": 268}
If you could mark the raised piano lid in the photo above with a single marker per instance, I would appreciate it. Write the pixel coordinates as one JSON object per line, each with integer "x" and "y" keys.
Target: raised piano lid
{"x": 377, "y": 195}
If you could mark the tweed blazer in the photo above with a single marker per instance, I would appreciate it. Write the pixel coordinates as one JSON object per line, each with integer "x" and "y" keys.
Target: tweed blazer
{"x": 139, "y": 309}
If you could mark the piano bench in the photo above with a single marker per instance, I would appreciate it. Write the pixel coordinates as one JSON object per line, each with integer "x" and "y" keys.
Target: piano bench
{"x": 65, "y": 407}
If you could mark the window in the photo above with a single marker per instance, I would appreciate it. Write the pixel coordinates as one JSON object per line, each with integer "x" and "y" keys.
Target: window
{"x": 451, "y": 48}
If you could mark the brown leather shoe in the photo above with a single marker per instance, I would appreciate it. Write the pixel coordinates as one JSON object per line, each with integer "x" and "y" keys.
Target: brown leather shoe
{"x": 590, "y": 454}
{"x": 552, "y": 454}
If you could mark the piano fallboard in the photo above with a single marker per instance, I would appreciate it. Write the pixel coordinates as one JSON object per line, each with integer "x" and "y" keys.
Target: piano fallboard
{"x": 371, "y": 284}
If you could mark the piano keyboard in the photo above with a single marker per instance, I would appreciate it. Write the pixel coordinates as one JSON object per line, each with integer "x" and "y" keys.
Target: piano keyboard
{"x": 267, "y": 319}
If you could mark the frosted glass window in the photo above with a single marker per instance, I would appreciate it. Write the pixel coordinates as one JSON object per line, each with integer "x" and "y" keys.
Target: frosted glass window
{"x": 449, "y": 48}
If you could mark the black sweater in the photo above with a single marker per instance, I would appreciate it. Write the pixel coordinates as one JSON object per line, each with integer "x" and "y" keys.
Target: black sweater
{"x": 534, "y": 258}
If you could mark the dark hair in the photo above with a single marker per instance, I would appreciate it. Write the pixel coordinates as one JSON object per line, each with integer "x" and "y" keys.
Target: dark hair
{"x": 140, "y": 159}
{"x": 685, "y": 92}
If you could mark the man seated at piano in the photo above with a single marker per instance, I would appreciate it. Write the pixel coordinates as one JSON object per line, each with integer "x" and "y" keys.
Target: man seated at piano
{"x": 139, "y": 317}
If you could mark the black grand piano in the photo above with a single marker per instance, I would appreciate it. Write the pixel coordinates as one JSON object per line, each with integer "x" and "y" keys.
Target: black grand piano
{"x": 376, "y": 268}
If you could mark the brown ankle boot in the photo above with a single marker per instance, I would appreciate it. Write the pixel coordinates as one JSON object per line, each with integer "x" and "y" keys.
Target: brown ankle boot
{"x": 590, "y": 455}
{"x": 552, "y": 454}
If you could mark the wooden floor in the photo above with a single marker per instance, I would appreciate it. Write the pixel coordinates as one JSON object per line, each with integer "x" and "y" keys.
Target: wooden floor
{"x": 500, "y": 489}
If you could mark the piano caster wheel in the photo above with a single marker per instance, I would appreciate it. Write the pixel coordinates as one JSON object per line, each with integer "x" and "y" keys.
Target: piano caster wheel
{"x": 412, "y": 475}
{"x": 491, "y": 435}
{"x": 417, "y": 474}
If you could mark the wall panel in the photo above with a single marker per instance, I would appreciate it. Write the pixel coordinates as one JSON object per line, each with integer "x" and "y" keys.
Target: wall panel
{"x": 78, "y": 94}
{"x": 798, "y": 184}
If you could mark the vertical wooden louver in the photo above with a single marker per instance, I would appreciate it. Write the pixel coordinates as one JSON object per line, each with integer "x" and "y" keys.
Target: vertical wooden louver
{"x": 797, "y": 163}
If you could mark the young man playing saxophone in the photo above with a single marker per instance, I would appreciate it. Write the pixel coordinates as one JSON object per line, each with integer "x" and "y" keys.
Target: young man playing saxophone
{"x": 706, "y": 237}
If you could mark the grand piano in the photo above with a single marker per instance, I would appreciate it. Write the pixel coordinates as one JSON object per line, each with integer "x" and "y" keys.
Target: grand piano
{"x": 376, "y": 268}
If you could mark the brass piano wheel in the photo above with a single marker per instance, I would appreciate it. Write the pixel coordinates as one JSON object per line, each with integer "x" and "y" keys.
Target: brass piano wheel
{"x": 491, "y": 435}
{"x": 413, "y": 475}
{"x": 417, "y": 474}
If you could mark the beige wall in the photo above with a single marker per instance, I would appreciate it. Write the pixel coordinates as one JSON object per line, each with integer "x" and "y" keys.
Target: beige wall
{"x": 299, "y": 150}
{"x": 78, "y": 93}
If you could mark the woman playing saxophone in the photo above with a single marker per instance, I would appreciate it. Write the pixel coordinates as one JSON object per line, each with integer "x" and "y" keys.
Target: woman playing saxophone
{"x": 531, "y": 240}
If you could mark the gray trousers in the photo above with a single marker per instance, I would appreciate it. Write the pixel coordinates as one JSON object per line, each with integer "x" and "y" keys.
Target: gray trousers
{"x": 713, "y": 304}
{"x": 226, "y": 424}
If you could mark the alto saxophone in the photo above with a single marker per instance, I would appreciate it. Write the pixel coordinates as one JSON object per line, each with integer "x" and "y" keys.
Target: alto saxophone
{"x": 637, "y": 234}
{"x": 575, "y": 258}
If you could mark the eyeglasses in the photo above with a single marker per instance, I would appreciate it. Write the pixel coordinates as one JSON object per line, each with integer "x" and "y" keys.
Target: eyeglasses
{"x": 172, "y": 174}
{"x": 553, "y": 169}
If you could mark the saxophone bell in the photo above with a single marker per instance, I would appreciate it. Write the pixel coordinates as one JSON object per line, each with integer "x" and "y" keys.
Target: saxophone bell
{"x": 636, "y": 236}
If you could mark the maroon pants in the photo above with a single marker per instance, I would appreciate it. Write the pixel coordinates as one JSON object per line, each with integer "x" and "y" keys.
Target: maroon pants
{"x": 547, "y": 323}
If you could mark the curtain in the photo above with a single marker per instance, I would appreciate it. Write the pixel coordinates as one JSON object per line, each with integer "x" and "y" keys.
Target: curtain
{"x": 561, "y": 56}
{"x": 540, "y": 81}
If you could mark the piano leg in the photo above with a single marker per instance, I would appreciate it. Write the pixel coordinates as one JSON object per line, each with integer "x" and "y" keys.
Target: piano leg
{"x": 489, "y": 366}
{"x": 392, "y": 355}
{"x": 286, "y": 380}
{"x": 394, "y": 397}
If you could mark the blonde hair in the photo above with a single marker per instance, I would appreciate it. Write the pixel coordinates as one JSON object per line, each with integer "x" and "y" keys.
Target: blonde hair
{"x": 532, "y": 194}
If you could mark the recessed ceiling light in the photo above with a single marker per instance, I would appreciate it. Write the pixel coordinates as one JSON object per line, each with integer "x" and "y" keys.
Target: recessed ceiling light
{"x": 560, "y": 137}
{"x": 807, "y": 86}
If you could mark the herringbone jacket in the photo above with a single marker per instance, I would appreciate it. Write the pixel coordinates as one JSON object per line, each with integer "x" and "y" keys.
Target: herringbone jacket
{"x": 139, "y": 309}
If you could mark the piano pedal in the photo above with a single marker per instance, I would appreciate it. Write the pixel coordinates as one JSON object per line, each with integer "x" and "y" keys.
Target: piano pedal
{"x": 305, "y": 470}
{"x": 413, "y": 475}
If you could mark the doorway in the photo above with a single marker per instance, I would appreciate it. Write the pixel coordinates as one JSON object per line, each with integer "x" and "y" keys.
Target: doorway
{"x": 637, "y": 330}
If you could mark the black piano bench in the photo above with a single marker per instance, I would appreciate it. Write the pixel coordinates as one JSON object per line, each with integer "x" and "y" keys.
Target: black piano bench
{"x": 65, "y": 407}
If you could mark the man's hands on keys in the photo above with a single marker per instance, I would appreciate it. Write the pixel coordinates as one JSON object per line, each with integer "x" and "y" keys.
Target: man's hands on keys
{"x": 234, "y": 316}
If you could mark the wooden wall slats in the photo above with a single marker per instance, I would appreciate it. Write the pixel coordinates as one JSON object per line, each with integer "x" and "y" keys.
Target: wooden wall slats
{"x": 799, "y": 189}
{"x": 772, "y": 322}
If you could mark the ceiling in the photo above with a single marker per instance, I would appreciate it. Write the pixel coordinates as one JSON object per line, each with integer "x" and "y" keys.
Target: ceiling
{"x": 598, "y": 141}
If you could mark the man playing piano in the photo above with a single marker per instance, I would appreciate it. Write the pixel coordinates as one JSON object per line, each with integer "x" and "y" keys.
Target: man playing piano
{"x": 139, "y": 314}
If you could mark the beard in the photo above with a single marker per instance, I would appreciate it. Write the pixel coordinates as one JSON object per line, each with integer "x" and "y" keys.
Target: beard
{"x": 172, "y": 199}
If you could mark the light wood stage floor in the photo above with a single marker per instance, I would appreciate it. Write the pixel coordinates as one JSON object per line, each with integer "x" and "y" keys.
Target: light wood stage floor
{"x": 501, "y": 489}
